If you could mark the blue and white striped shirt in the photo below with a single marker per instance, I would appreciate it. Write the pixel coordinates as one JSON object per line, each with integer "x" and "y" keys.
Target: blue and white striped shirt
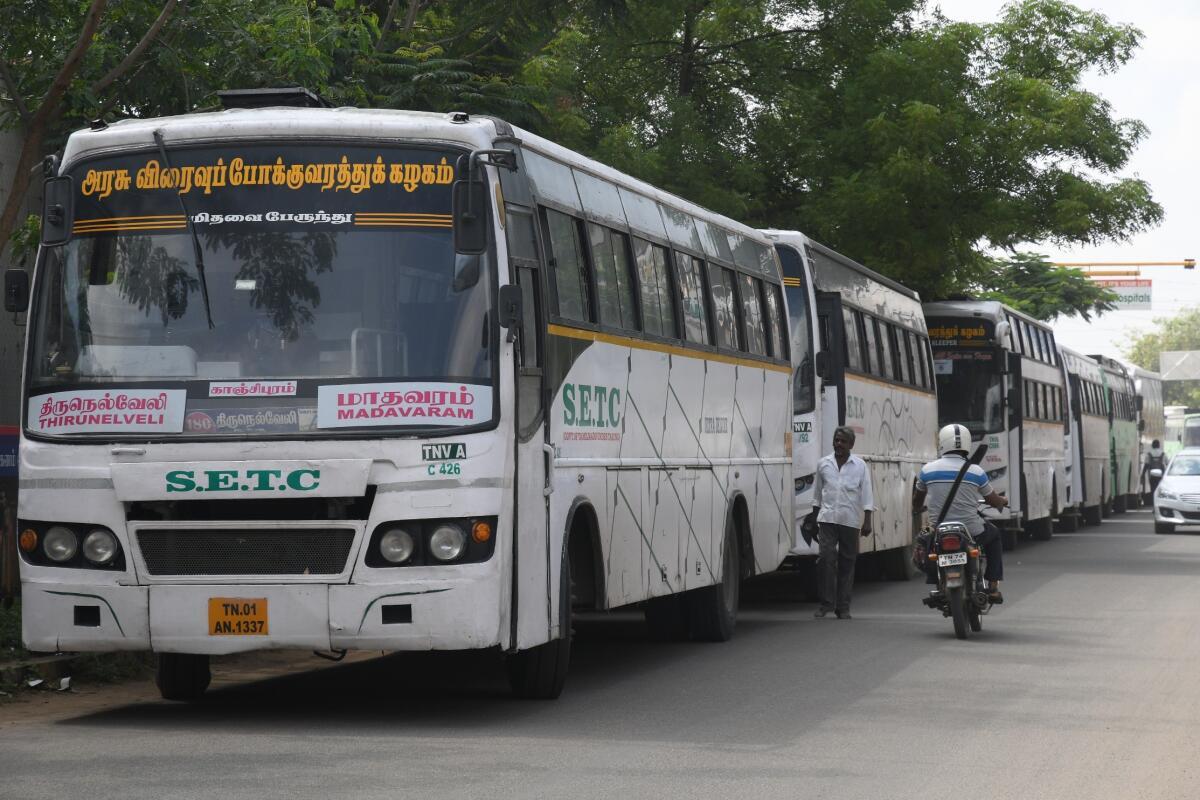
{"x": 938, "y": 476}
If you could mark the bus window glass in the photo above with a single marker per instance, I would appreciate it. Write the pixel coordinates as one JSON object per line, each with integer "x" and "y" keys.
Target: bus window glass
{"x": 569, "y": 277}
{"x": 752, "y": 317}
{"x": 658, "y": 312}
{"x": 521, "y": 240}
{"x": 872, "y": 362}
{"x": 775, "y": 327}
{"x": 1191, "y": 432}
{"x": 725, "y": 312}
{"x": 681, "y": 228}
{"x": 883, "y": 337}
{"x": 969, "y": 393}
{"x": 691, "y": 289}
{"x": 914, "y": 359}
{"x": 899, "y": 357}
{"x": 614, "y": 288}
{"x": 714, "y": 240}
{"x": 853, "y": 345}
{"x": 552, "y": 180}
{"x": 642, "y": 213}
{"x": 600, "y": 198}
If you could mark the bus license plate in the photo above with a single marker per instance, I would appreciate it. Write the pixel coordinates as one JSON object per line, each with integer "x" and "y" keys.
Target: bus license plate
{"x": 950, "y": 559}
{"x": 237, "y": 616}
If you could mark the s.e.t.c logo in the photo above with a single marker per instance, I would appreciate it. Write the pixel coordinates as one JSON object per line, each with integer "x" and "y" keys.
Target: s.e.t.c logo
{"x": 250, "y": 480}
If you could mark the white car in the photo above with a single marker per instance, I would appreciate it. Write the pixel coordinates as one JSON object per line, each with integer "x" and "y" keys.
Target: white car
{"x": 1177, "y": 498}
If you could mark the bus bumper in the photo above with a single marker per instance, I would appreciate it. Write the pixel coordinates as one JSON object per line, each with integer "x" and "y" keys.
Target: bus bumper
{"x": 450, "y": 614}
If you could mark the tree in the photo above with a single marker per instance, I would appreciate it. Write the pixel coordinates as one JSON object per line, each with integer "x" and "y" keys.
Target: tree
{"x": 1180, "y": 332}
{"x": 1029, "y": 282}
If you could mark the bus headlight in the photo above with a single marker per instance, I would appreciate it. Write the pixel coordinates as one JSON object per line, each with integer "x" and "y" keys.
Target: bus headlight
{"x": 396, "y": 546}
{"x": 447, "y": 542}
{"x": 100, "y": 547}
{"x": 60, "y": 544}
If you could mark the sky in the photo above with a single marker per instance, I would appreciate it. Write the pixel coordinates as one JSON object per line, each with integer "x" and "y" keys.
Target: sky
{"x": 1161, "y": 87}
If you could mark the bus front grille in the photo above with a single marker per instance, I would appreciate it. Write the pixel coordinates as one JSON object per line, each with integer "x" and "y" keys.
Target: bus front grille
{"x": 206, "y": 551}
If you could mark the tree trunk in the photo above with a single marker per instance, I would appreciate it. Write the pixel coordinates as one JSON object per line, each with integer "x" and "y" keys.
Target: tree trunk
{"x": 48, "y": 111}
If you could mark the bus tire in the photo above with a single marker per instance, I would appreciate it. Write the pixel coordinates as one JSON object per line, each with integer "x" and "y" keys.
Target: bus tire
{"x": 540, "y": 672}
{"x": 667, "y": 618}
{"x": 713, "y": 609}
{"x": 1068, "y": 521}
{"x": 1120, "y": 504}
{"x": 1008, "y": 538}
{"x": 182, "y": 676}
{"x": 1041, "y": 529}
{"x": 1091, "y": 515}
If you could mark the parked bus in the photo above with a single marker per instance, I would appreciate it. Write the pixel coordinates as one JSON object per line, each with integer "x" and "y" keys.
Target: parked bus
{"x": 334, "y": 379}
{"x": 1182, "y": 422}
{"x": 1088, "y": 443}
{"x": 1151, "y": 418}
{"x": 1123, "y": 465}
{"x": 862, "y": 359}
{"x": 998, "y": 373}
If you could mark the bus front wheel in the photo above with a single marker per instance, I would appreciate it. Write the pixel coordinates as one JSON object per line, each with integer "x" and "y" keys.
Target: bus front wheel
{"x": 540, "y": 672}
{"x": 182, "y": 676}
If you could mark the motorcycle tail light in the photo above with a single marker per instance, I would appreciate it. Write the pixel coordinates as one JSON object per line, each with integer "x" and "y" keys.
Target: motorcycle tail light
{"x": 950, "y": 542}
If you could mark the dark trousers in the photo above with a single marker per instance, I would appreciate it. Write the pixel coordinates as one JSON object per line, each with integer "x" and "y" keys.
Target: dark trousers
{"x": 839, "y": 551}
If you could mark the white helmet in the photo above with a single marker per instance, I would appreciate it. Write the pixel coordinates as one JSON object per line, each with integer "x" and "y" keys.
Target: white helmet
{"x": 954, "y": 437}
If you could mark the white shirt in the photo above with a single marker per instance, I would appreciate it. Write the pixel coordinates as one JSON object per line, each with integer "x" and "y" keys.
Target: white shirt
{"x": 843, "y": 494}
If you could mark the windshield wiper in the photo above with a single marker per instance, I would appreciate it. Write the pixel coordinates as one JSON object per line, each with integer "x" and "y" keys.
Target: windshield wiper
{"x": 196, "y": 249}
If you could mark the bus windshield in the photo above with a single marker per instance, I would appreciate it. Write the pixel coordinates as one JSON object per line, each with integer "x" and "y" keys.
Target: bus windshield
{"x": 1191, "y": 432}
{"x": 274, "y": 317}
{"x": 969, "y": 390}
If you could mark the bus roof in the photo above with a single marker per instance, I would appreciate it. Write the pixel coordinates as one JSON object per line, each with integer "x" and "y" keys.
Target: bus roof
{"x": 987, "y": 309}
{"x": 798, "y": 238}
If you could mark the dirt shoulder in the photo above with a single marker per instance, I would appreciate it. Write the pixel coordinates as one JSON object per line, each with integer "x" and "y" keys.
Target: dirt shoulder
{"x": 88, "y": 695}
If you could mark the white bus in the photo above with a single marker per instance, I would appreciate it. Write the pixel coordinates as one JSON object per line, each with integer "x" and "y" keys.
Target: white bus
{"x": 335, "y": 379}
{"x": 1088, "y": 444}
{"x": 862, "y": 360}
{"x": 1124, "y": 440}
{"x": 1152, "y": 419}
{"x": 999, "y": 373}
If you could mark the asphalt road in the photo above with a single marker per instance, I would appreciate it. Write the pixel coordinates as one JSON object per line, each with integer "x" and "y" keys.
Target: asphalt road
{"x": 1083, "y": 685}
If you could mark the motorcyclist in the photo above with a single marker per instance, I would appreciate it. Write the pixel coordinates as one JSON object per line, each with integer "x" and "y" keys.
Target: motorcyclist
{"x": 936, "y": 479}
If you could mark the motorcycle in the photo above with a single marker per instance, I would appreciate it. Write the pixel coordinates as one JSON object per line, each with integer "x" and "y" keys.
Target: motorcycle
{"x": 961, "y": 591}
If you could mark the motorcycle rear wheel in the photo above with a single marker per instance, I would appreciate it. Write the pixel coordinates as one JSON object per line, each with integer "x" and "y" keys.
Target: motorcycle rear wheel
{"x": 958, "y": 611}
{"x": 975, "y": 618}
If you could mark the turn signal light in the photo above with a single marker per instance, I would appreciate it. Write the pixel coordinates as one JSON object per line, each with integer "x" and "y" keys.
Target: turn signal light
{"x": 933, "y": 556}
{"x": 973, "y": 552}
{"x": 28, "y": 540}
{"x": 481, "y": 532}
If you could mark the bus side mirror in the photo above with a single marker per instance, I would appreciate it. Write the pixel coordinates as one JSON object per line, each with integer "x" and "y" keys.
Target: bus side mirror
{"x": 512, "y": 311}
{"x": 1141, "y": 423}
{"x": 1014, "y": 401}
{"x": 16, "y": 290}
{"x": 1138, "y": 402}
{"x": 822, "y": 365}
{"x": 58, "y": 211}
{"x": 469, "y": 208}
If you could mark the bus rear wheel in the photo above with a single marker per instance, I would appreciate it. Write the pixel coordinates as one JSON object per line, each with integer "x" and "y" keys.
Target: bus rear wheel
{"x": 1120, "y": 504}
{"x": 182, "y": 676}
{"x": 1041, "y": 529}
{"x": 1068, "y": 522}
{"x": 713, "y": 609}
{"x": 1091, "y": 515}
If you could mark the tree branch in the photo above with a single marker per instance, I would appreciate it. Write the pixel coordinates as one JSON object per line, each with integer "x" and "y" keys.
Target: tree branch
{"x": 139, "y": 49}
{"x": 14, "y": 92}
{"x": 388, "y": 21}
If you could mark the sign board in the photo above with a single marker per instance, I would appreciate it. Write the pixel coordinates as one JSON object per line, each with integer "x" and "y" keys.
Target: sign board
{"x": 1133, "y": 294}
{"x": 1179, "y": 365}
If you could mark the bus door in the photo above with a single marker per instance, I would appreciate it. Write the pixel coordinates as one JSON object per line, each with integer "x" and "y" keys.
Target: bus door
{"x": 1015, "y": 445}
{"x": 1077, "y": 452}
{"x": 831, "y": 365}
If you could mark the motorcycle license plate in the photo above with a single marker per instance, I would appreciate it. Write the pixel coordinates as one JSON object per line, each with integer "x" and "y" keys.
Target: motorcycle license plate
{"x": 951, "y": 559}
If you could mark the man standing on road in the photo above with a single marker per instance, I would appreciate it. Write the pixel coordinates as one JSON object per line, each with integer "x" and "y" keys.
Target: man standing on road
{"x": 842, "y": 503}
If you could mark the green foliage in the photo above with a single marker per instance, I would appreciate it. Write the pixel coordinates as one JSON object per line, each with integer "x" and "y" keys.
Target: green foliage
{"x": 1180, "y": 332}
{"x": 913, "y": 143}
{"x": 25, "y": 240}
{"x": 1030, "y": 283}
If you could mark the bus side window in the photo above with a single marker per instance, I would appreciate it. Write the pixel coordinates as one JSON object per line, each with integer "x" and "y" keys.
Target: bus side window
{"x": 872, "y": 361}
{"x": 853, "y": 345}
{"x": 658, "y": 312}
{"x": 900, "y": 356}
{"x": 614, "y": 287}
{"x": 724, "y": 300}
{"x": 775, "y": 322}
{"x": 914, "y": 359}
{"x": 691, "y": 288}
{"x": 566, "y": 259}
{"x": 752, "y": 317}
{"x": 883, "y": 336}
{"x": 522, "y": 251}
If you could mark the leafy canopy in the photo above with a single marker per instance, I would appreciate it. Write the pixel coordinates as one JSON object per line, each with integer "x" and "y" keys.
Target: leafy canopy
{"x": 1180, "y": 332}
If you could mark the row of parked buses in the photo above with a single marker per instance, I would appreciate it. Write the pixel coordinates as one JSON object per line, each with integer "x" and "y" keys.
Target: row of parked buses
{"x": 1066, "y": 432}
{"x": 488, "y": 384}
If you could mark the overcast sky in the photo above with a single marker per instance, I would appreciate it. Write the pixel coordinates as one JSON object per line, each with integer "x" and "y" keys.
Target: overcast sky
{"x": 1161, "y": 87}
